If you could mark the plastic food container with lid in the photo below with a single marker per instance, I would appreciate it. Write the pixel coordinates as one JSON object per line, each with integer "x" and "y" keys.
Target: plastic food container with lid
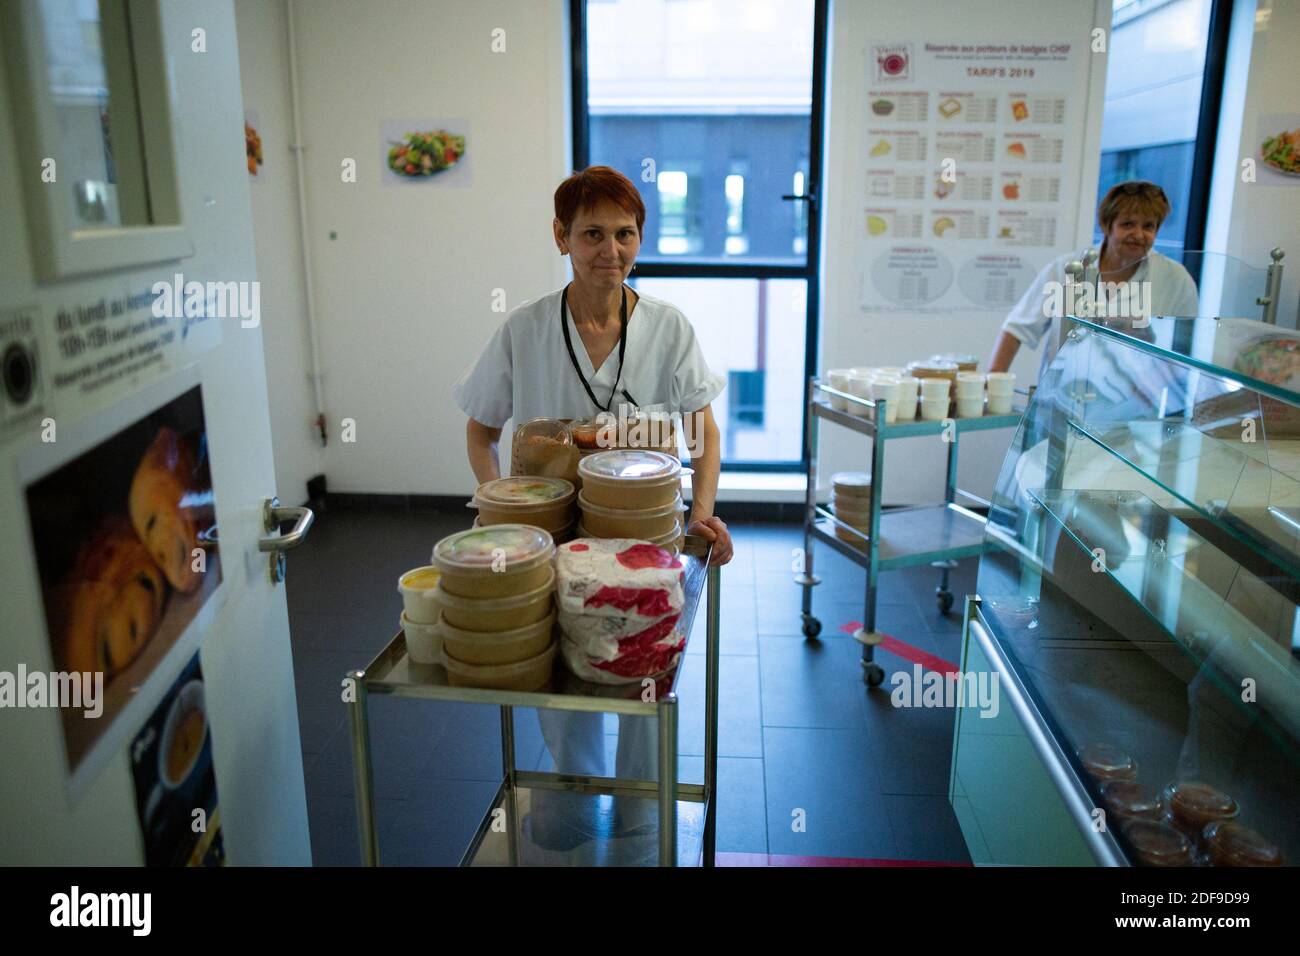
{"x": 641, "y": 523}
{"x": 545, "y": 503}
{"x": 1105, "y": 762}
{"x": 933, "y": 368}
{"x": 418, "y": 588}
{"x": 1130, "y": 799}
{"x": 531, "y": 674}
{"x": 497, "y": 561}
{"x": 1158, "y": 844}
{"x": 544, "y": 447}
{"x": 1192, "y": 806}
{"x": 499, "y": 647}
{"x": 423, "y": 641}
{"x": 1229, "y": 843}
{"x": 499, "y": 613}
{"x": 851, "y": 484}
{"x": 634, "y": 479}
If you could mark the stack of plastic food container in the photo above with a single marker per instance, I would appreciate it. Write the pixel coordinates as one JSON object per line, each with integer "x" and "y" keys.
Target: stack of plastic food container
{"x": 632, "y": 494}
{"x": 496, "y": 593}
{"x": 420, "y": 610}
{"x": 546, "y": 503}
{"x": 851, "y": 503}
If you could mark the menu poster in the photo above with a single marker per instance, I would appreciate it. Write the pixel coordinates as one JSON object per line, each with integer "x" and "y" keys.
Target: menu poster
{"x": 965, "y": 161}
{"x": 175, "y": 784}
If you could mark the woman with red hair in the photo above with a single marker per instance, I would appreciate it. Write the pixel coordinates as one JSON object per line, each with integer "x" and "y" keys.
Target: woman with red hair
{"x": 597, "y": 346}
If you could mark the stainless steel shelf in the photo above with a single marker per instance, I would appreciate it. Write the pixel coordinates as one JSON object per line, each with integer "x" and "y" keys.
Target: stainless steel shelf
{"x": 911, "y": 536}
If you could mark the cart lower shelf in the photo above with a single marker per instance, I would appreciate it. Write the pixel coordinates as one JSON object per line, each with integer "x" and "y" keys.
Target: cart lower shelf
{"x": 912, "y": 536}
{"x": 569, "y": 828}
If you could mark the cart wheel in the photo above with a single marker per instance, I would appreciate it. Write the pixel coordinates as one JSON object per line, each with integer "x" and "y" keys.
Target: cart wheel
{"x": 811, "y": 626}
{"x": 873, "y": 674}
{"x": 945, "y": 600}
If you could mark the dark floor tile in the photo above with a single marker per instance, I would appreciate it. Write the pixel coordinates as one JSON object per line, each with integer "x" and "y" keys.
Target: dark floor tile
{"x": 926, "y": 829}
{"x": 318, "y": 677}
{"x": 434, "y": 826}
{"x": 740, "y": 732}
{"x": 811, "y": 683}
{"x": 333, "y": 825}
{"x": 403, "y": 732}
{"x": 821, "y": 795}
{"x": 913, "y": 745}
{"x": 742, "y": 806}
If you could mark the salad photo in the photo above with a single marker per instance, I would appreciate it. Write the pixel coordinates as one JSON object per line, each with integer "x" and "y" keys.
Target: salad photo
{"x": 423, "y": 154}
{"x": 1282, "y": 151}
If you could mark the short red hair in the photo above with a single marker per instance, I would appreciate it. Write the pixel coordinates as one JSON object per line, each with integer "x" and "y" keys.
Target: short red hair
{"x": 593, "y": 186}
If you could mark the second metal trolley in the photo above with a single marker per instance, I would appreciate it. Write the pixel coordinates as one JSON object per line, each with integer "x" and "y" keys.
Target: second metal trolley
{"x": 938, "y": 534}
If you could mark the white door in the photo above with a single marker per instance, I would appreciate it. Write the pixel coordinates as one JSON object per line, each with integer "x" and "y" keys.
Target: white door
{"x": 88, "y": 386}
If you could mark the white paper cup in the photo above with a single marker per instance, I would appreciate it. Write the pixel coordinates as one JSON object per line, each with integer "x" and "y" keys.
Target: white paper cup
{"x": 839, "y": 378}
{"x": 886, "y": 389}
{"x": 999, "y": 404}
{"x": 907, "y": 388}
{"x": 896, "y": 371}
{"x": 420, "y": 604}
{"x": 1001, "y": 383}
{"x": 970, "y": 407}
{"x": 860, "y": 387}
{"x": 423, "y": 641}
{"x": 969, "y": 386}
{"x": 935, "y": 389}
{"x": 934, "y": 409}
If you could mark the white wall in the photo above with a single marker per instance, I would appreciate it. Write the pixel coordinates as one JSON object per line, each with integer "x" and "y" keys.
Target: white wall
{"x": 404, "y": 294}
{"x": 915, "y": 467}
{"x": 264, "y": 78}
{"x": 1248, "y": 219}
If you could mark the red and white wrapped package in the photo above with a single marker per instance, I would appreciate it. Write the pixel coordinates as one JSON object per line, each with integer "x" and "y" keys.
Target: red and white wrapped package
{"x": 620, "y": 650}
{"x": 620, "y": 606}
{"x": 618, "y": 577}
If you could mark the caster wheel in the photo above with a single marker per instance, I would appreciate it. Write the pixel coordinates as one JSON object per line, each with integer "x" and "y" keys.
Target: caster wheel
{"x": 873, "y": 675}
{"x": 945, "y": 600}
{"x": 811, "y": 627}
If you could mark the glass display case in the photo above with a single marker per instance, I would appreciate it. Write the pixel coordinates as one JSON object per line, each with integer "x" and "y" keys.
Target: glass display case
{"x": 1139, "y": 601}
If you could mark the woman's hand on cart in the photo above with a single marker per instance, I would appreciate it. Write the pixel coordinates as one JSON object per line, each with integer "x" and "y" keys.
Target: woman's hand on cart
{"x": 714, "y": 529}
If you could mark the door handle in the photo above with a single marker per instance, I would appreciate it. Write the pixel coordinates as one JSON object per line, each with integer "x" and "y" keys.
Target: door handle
{"x": 277, "y": 544}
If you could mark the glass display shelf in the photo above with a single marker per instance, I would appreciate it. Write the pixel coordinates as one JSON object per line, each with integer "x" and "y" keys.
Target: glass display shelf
{"x": 1249, "y": 485}
{"x": 1260, "y": 357}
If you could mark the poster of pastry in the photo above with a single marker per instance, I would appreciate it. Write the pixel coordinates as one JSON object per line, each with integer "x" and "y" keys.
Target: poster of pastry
{"x": 253, "y": 147}
{"x": 966, "y": 149}
{"x": 426, "y": 152}
{"x": 175, "y": 782}
{"x": 122, "y": 520}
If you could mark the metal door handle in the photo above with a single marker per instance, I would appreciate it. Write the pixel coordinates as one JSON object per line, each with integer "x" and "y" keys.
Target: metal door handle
{"x": 272, "y": 515}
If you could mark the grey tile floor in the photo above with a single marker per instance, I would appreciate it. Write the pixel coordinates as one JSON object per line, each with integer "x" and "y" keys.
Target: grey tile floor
{"x": 810, "y": 763}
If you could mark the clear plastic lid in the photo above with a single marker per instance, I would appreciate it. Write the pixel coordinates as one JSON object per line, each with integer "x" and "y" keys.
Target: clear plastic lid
{"x": 634, "y": 466}
{"x": 524, "y": 492}
{"x": 959, "y": 358}
{"x": 1199, "y": 803}
{"x": 673, "y": 507}
{"x": 520, "y": 546}
{"x": 1236, "y": 845}
{"x": 551, "y": 429}
{"x": 1157, "y": 844}
{"x": 934, "y": 367}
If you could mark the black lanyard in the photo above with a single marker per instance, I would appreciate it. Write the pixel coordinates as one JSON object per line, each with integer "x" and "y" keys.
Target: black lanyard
{"x": 622, "y": 349}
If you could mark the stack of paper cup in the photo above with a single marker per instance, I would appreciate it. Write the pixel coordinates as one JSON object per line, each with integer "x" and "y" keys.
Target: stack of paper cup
{"x": 970, "y": 394}
{"x": 934, "y": 398}
{"x": 885, "y": 388}
{"x": 1002, "y": 386}
{"x": 907, "y": 387}
{"x": 860, "y": 387}
{"x": 839, "y": 378}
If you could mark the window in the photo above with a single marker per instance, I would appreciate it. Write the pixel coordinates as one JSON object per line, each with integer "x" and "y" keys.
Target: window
{"x": 1152, "y": 120}
{"x": 713, "y": 109}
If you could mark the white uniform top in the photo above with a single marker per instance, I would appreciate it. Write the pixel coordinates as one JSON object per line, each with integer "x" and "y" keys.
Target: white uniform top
{"x": 524, "y": 371}
{"x": 1173, "y": 292}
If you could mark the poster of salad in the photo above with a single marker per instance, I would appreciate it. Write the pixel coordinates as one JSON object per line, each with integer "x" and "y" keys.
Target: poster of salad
{"x": 1277, "y": 149}
{"x": 426, "y": 151}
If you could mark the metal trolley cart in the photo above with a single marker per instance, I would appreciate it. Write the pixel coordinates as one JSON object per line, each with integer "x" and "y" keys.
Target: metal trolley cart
{"x": 686, "y": 812}
{"x": 938, "y": 534}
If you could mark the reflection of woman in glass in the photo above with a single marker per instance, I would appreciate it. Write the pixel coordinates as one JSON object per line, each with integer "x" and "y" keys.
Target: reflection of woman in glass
{"x": 1130, "y": 215}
